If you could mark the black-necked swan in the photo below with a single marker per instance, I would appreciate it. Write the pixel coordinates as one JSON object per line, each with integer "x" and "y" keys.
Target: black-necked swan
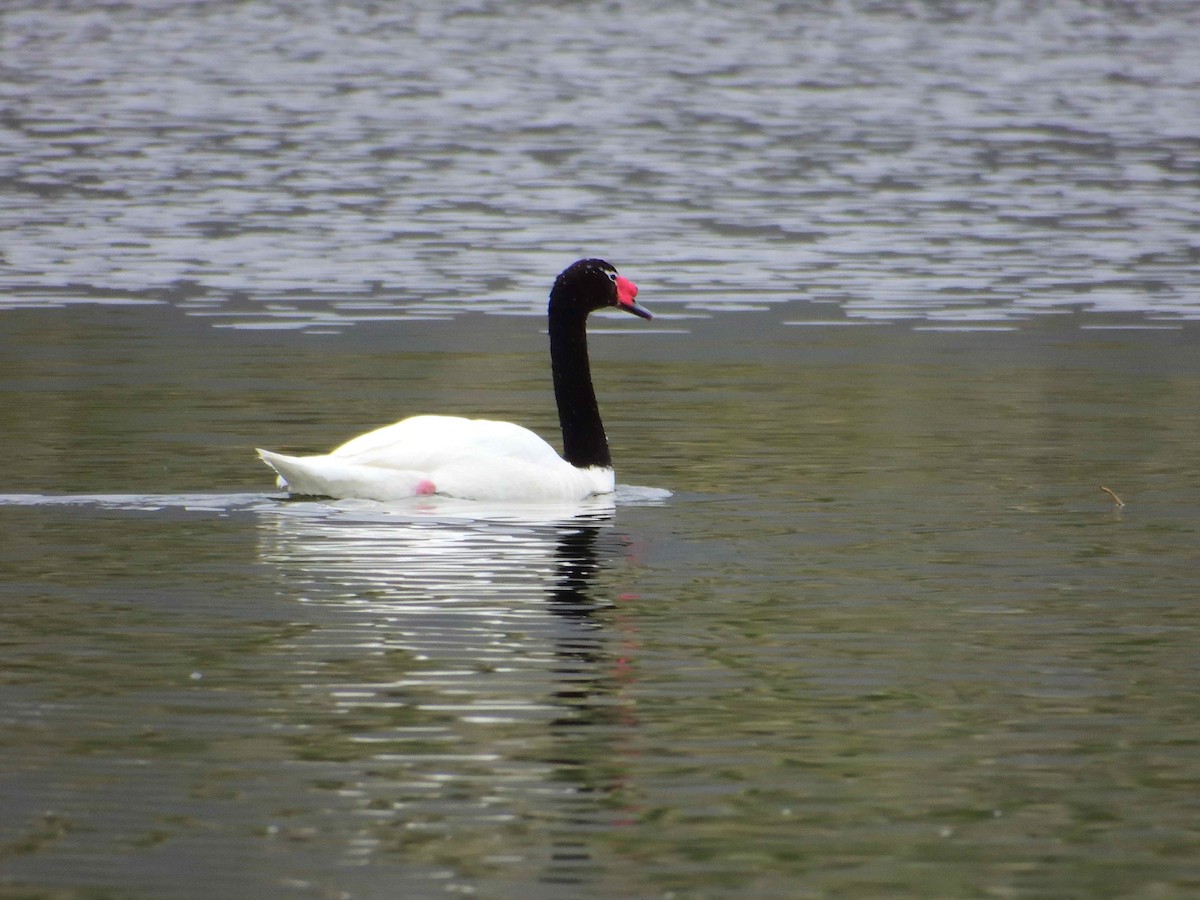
{"x": 480, "y": 459}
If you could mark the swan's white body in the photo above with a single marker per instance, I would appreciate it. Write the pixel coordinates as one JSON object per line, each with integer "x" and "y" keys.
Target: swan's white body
{"x": 475, "y": 459}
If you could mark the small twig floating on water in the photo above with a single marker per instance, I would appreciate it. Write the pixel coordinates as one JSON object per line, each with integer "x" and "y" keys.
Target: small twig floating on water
{"x": 1117, "y": 500}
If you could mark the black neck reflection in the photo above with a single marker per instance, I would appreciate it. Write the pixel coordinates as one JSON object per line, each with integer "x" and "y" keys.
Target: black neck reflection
{"x": 588, "y": 735}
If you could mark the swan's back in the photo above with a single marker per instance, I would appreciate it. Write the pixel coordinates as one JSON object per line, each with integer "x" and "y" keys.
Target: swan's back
{"x": 427, "y": 442}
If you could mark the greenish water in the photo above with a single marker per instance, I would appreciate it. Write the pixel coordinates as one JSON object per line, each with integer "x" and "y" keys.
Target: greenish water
{"x": 887, "y": 637}
{"x": 861, "y": 622}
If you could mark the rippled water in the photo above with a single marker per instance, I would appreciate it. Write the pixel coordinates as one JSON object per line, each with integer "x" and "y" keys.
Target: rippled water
{"x": 860, "y": 622}
{"x": 318, "y": 165}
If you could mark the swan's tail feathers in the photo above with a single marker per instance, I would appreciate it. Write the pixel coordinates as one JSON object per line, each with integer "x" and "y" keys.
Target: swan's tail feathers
{"x": 331, "y": 476}
{"x": 282, "y": 465}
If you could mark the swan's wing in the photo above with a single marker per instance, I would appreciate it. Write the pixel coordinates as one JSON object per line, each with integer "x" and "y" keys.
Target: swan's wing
{"x": 426, "y": 443}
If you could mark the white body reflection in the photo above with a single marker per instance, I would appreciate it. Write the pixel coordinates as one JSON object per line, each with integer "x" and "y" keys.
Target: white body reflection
{"x": 449, "y": 581}
{"x": 460, "y": 585}
{"x": 468, "y": 663}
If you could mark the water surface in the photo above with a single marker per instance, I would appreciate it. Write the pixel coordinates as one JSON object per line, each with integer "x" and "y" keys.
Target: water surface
{"x": 860, "y": 620}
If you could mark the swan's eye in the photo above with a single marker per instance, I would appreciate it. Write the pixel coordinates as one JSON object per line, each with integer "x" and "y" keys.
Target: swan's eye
{"x": 612, "y": 276}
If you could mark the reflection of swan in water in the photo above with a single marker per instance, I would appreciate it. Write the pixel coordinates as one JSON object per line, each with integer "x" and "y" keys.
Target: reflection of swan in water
{"x": 473, "y": 666}
{"x": 437, "y": 553}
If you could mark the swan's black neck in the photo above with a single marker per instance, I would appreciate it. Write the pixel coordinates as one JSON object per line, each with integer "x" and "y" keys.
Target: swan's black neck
{"x": 584, "y": 442}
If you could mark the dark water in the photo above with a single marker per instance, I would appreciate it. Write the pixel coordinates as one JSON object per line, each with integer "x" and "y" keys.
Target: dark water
{"x": 861, "y": 622}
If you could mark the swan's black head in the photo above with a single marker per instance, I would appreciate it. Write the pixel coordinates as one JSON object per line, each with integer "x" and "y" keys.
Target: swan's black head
{"x": 591, "y": 284}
